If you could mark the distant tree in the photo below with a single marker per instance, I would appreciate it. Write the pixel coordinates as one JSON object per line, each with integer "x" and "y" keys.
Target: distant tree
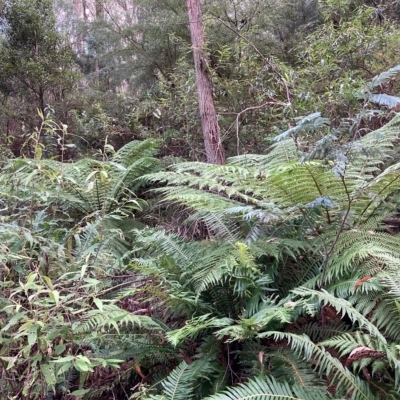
{"x": 35, "y": 62}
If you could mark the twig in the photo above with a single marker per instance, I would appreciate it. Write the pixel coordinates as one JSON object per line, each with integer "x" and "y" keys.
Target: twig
{"x": 265, "y": 59}
{"x": 339, "y": 232}
{"x": 244, "y": 111}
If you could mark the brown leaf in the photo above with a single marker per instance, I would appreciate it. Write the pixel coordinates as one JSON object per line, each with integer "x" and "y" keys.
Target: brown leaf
{"x": 363, "y": 352}
{"x": 139, "y": 371}
{"x": 362, "y": 280}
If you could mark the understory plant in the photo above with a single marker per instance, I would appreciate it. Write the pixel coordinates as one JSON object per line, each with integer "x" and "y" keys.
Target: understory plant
{"x": 295, "y": 278}
{"x": 271, "y": 277}
{"x": 64, "y": 235}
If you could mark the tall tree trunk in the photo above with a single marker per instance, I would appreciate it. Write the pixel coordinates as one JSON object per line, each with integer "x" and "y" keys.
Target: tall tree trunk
{"x": 85, "y": 10}
{"x": 99, "y": 7}
{"x": 211, "y": 132}
{"x": 78, "y": 8}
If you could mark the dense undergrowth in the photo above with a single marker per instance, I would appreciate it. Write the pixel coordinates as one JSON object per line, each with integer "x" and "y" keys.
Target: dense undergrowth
{"x": 273, "y": 275}
{"x": 130, "y": 269}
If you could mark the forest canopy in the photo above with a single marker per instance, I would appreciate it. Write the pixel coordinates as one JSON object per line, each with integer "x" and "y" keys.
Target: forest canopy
{"x": 198, "y": 200}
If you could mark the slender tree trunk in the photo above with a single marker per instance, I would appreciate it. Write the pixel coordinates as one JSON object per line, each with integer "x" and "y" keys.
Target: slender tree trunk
{"x": 99, "y": 7}
{"x": 85, "y": 10}
{"x": 41, "y": 94}
{"x": 211, "y": 132}
{"x": 78, "y": 12}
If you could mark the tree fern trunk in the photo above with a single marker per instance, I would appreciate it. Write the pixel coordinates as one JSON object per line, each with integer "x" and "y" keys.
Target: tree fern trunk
{"x": 211, "y": 131}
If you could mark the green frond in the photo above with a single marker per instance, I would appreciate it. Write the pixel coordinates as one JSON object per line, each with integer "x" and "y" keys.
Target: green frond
{"x": 342, "y": 306}
{"x": 219, "y": 225}
{"x": 285, "y": 151}
{"x": 286, "y": 366}
{"x": 391, "y": 281}
{"x": 194, "y": 326}
{"x": 362, "y": 350}
{"x": 112, "y": 316}
{"x": 387, "y": 100}
{"x": 345, "y": 288}
{"x": 348, "y": 342}
{"x": 378, "y": 146}
{"x": 386, "y": 316}
{"x": 88, "y": 185}
{"x": 130, "y": 177}
{"x": 372, "y": 195}
{"x": 270, "y": 389}
{"x": 316, "y": 332}
{"x": 185, "y": 381}
{"x": 212, "y": 189}
{"x": 363, "y": 251}
{"x": 300, "y": 184}
{"x": 347, "y": 383}
{"x": 235, "y": 264}
{"x": 383, "y": 77}
{"x": 178, "y": 385}
{"x": 270, "y": 316}
{"x": 310, "y": 123}
{"x": 134, "y": 151}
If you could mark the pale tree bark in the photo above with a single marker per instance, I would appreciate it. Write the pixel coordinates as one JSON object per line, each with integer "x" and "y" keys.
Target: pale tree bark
{"x": 211, "y": 132}
{"x": 85, "y": 9}
{"x": 99, "y": 7}
{"x": 79, "y": 12}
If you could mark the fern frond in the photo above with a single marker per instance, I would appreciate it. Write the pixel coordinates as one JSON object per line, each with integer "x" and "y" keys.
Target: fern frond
{"x": 309, "y": 123}
{"x": 182, "y": 381}
{"x": 385, "y": 315}
{"x": 286, "y": 366}
{"x": 391, "y": 281}
{"x": 269, "y": 389}
{"x": 195, "y": 326}
{"x": 178, "y": 385}
{"x": 385, "y": 100}
{"x": 383, "y": 77}
{"x": 285, "y": 151}
{"x": 112, "y": 316}
{"x": 378, "y": 146}
{"x": 134, "y": 151}
{"x": 353, "y": 387}
{"x": 343, "y": 307}
{"x": 347, "y": 342}
{"x": 362, "y": 251}
{"x": 316, "y": 332}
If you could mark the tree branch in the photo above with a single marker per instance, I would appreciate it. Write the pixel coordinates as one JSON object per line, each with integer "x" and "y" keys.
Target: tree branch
{"x": 265, "y": 59}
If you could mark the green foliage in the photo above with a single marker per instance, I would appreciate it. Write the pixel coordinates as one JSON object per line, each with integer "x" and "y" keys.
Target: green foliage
{"x": 35, "y": 59}
{"x": 58, "y": 266}
{"x": 269, "y": 389}
{"x": 338, "y": 206}
{"x": 36, "y": 72}
{"x": 273, "y": 276}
